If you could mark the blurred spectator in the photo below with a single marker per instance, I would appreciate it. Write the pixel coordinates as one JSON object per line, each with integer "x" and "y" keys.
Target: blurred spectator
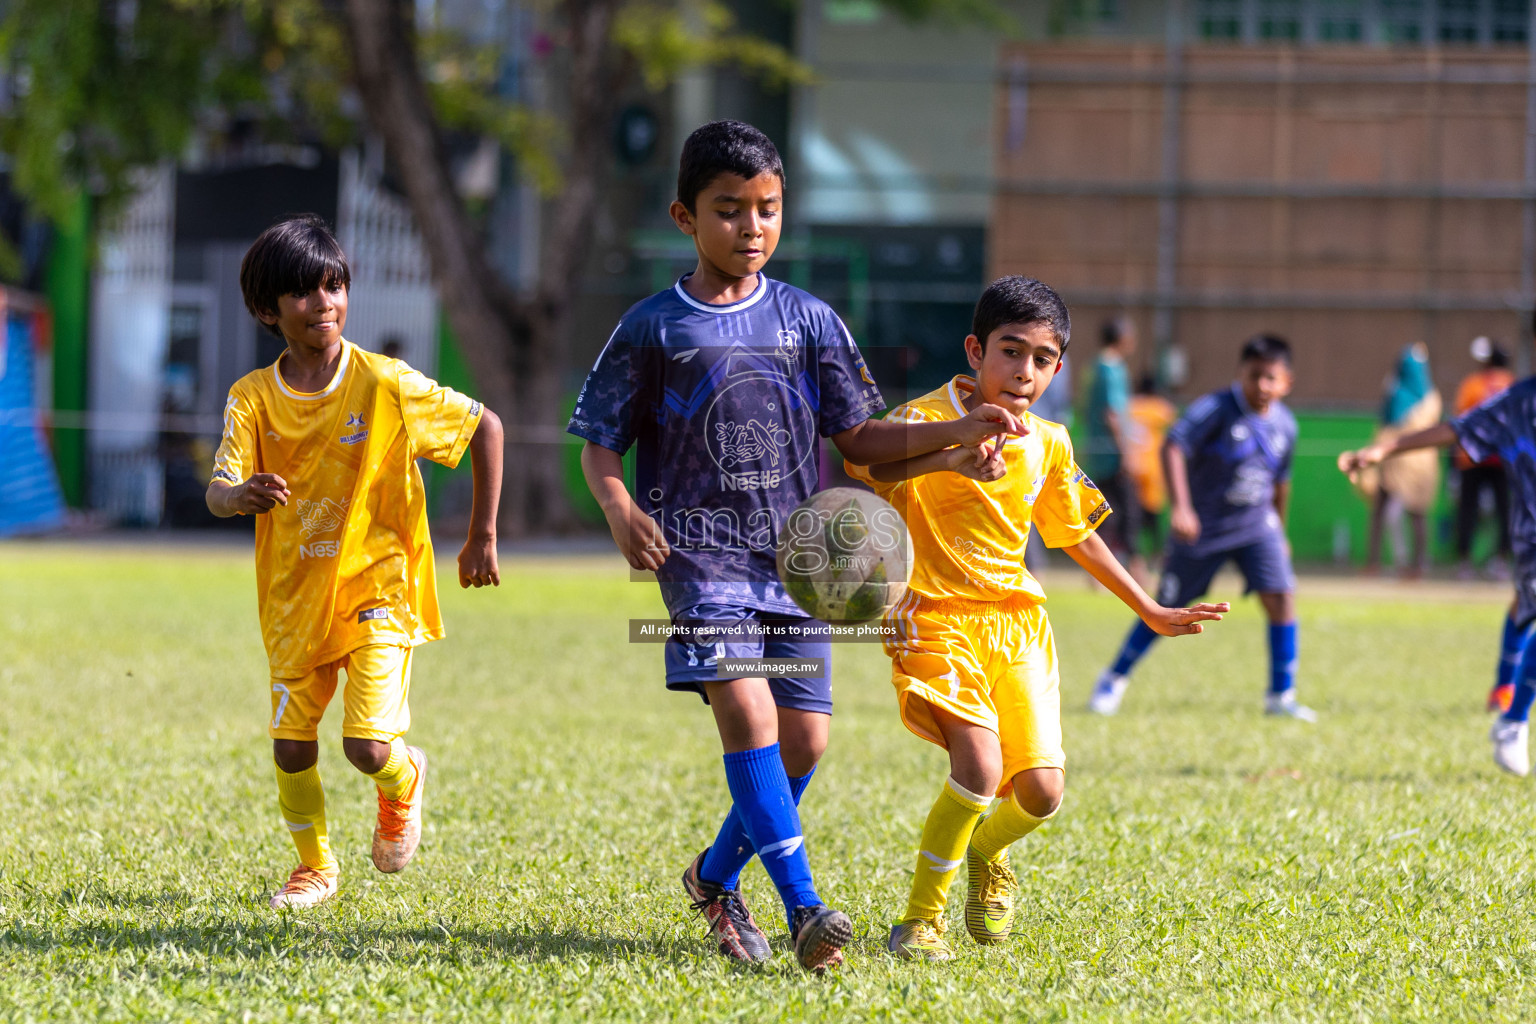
{"x": 1490, "y": 378}
{"x": 391, "y": 348}
{"x": 1056, "y": 404}
{"x": 1408, "y": 484}
{"x": 1108, "y": 423}
{"x": 1150, "y": 417}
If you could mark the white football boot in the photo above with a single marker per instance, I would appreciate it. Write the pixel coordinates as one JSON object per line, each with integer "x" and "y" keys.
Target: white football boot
{"x": 1286, "y": 705}
{"x": 1108, "y": 693}
{"x": 1511, "y": 746}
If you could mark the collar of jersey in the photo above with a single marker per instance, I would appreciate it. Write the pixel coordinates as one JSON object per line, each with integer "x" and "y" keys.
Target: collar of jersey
{"x": 962, "y": 412}
{"x": 312, "y": 396}
{"x": 737, "y": 307}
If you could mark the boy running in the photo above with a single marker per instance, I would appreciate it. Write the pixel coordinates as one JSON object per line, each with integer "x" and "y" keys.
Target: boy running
{"x": 322, "y": 445}
{"x": 974, "y": 662}
{"x": 1505, "y": 426}
{"x": 723, "y": 383}
{"x": 1228, "y": 461}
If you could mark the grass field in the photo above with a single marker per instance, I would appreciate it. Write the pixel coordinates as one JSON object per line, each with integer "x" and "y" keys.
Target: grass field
{"x": 1208, "y": 864}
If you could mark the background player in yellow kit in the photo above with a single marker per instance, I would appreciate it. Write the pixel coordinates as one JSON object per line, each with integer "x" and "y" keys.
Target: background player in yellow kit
{"x": 322, "y": 445}
{"x": 973, "y": 660}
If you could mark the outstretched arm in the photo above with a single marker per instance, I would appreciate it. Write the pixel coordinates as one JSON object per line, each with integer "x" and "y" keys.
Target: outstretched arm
{"x": 639, "y": 538}
{"x": 1438, "y": 436}
{"x": 1094, "y": 555}
{"x": 984, "y": 462}
{"x": 877, "y": 441}
{"x": 477, "y": 559}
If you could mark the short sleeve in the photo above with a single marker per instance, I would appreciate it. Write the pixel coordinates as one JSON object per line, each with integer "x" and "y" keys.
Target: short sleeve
{"x": 900, "y": 414}
{"x": 1283, "y": 473}
{"x": 847, "y": 392}
{"x": 236, "y": 457}
{"x": 1193, "y": 431}
{"x": 1484, "y": 431}
{"x": 438, "y": 421}
{"x": 1069, "y": 506}
{"x": 604, "y": 412}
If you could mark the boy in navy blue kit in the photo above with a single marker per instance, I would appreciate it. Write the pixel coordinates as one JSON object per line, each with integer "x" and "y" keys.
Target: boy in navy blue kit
{"x": 724, "y": 383}
{"x": 1228, "y": 461}
{"x": 1504, "y": 425}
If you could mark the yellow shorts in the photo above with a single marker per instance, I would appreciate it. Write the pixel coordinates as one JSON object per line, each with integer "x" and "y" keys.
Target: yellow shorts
{"x": 990, "y": 663}
{"x": 376, "y": 701}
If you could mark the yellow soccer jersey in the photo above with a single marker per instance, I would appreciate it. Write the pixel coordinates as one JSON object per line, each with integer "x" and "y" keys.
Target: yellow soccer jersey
{"x": 969, "y": 536}
{"x": 348, "y": 561}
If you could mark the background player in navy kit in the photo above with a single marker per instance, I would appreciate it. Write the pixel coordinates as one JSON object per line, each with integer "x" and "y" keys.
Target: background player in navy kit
{"x": 1228, "y": 461}
{"x": 1504, "y": 425}
{"x": 723, "y": 383}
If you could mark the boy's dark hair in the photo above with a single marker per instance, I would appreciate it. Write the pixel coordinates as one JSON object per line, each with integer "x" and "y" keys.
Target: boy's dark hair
{"x": 724, "y": 147}
{"x": 1146, "y": 385}
{"x": 297, "y": 254}
{"x": 1113, "y": 330}
{"x": 1021, "y": 300}
{"x": 1498, "y": 358}
{"x": 1267, "y": 348}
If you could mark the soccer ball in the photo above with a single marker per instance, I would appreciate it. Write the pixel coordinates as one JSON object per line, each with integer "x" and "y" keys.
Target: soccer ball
{"x": 844, "y": 556}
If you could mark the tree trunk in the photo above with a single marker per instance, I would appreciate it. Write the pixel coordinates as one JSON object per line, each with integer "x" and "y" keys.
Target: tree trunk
{"x": 515, "y": 349}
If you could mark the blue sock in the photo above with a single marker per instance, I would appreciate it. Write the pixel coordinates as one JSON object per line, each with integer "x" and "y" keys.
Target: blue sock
{"x": 1136, "y": 644}
{"x": 1510, "y": 642}
{"x": 732, "y": 848}
{"x": 1282, "y": 656}
{"x": 1525, "y": 689}
{"x": 768, "y": 814}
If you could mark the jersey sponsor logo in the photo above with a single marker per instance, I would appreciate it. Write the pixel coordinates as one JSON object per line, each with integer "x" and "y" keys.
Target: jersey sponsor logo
{"x": 320, "y": 549}
{"x": 356, "y": 420}
{"x": 738, "y": 443}
{"x": 685, "y": 356}
{"x": 323, "y": 516}
{"x": 1098, "y": 513}
{"x": 370, "y": 614}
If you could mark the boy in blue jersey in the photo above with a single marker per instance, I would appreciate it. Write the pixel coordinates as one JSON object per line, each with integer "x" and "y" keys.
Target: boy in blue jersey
{"x": 724, "y": 384}
{"x": 1504, "y": 425}
{"x": 1228, "y": 462}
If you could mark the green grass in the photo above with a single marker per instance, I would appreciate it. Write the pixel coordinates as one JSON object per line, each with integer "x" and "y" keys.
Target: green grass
{"x": 1208, "y": 864}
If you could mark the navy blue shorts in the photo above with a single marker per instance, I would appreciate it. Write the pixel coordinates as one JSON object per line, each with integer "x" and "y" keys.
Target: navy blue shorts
{"x": 1264, "y": 563}
{"x": 733, "y": 631}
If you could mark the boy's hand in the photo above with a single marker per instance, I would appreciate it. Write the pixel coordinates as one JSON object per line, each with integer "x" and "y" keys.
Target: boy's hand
{"x": 1184, "y": 621}
{"x": 987, "y": 421}
{"x": 984, "y": 462}
{"x": 639, "y": 539}
{"x": 261, "y": 493}
{"x": 1353, "y": 462}
{"x": 477, "y": 563}
{"x": 1184, "y": 523}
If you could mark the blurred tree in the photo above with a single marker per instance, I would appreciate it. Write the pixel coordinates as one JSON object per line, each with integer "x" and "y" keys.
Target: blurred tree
{"x": 91, "y": 90}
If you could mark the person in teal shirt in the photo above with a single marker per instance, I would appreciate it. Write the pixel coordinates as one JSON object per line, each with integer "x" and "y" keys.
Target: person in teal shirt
{"x": 1107, "y": 416}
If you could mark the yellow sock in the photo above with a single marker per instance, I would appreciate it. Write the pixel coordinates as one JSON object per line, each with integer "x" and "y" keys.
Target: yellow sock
{"x": 1004, "y": 827}
{"x": 398, "y": 775}
{"x": 302, "y": 801}
{"x": 942, "y": 849}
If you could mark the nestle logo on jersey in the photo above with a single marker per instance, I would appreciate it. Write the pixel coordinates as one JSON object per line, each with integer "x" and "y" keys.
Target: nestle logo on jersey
{"x": 751, "y": 481}
{"x": 320, "y": 549}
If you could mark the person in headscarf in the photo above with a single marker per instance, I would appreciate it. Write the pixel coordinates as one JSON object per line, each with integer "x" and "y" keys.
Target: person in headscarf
{"x": 1405, "y": 486}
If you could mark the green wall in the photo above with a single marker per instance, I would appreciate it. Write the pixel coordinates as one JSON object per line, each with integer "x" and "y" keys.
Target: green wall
{"x": 68, "y": 289}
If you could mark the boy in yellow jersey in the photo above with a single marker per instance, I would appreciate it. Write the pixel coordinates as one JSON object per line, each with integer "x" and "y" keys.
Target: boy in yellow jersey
{"x": 973, "y": 660}
{"x": 322, "y": 446}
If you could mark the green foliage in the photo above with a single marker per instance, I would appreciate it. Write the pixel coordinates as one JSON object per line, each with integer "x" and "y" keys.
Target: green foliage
{"x": 1208, "y": 865}
{"x": 667, "y": 39}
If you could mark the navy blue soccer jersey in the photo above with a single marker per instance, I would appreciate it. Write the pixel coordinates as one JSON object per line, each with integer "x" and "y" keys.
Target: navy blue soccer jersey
{"x": 1505, "y": 426}
{"x": 725, "y": 406}
{"x": 1235, "y": 458}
